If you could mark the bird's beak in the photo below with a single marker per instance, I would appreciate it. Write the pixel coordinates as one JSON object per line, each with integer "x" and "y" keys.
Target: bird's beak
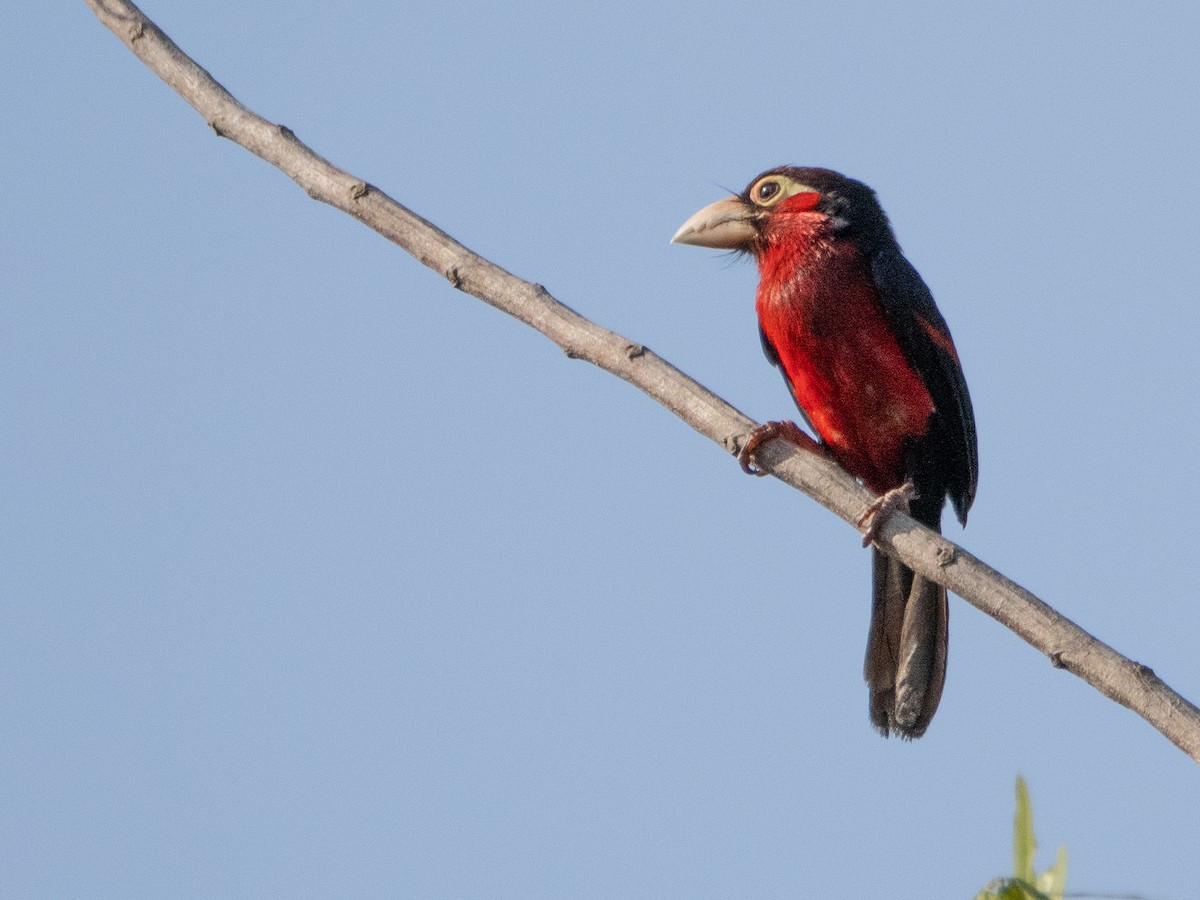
{"x": 726, "y": 225}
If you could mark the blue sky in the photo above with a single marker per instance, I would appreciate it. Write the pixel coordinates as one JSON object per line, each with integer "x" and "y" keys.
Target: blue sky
{"x": 323, "y": 579}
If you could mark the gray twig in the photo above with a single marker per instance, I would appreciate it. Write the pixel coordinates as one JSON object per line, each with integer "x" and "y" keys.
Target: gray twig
{"x": 1066, "y": 644}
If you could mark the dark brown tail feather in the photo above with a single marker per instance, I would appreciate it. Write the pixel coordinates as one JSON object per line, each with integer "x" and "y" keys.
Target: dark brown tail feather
{"x": 906, "y": 648}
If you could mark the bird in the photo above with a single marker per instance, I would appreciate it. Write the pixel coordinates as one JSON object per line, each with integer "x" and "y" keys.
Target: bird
{"x": 870, "y": 363}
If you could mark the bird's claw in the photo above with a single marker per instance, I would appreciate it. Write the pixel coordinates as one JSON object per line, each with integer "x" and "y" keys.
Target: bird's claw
{"x": 766, "y": 432}
{"x": 895, "y": 500}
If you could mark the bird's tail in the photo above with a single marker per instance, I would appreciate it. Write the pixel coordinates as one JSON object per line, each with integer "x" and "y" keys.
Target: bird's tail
{"x": 906, "y": 649}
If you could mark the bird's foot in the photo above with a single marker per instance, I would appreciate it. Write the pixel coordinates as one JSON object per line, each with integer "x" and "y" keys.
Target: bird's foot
{"x": 767, "y": 432}
{"x": 897, "y": 499}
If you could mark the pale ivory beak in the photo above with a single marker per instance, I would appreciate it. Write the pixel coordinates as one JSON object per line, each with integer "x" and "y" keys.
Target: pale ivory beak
{"x": 725, "y": 225}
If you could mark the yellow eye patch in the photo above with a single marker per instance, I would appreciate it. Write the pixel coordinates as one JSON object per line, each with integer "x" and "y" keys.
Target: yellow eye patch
{"x": 773, "y": 189}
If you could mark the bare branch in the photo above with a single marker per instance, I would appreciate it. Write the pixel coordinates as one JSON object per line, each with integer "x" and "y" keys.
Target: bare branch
{"x": 1066, "y": 644}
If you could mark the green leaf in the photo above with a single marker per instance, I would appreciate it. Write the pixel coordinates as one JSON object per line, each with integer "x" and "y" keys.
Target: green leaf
{"x": 1053, "y": 882}
{"x": 1023, "y": 884}
{"x": 1024, "y": 843}
{"x": 1010, "y": 889}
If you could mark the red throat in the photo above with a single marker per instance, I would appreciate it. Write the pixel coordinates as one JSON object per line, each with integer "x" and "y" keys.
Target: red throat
{"x": 819, "y": 308}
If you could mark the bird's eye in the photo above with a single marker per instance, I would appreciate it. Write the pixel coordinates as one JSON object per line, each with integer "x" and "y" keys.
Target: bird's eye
{"x": 766, "y": 191}
{"x": 771, "y": 190}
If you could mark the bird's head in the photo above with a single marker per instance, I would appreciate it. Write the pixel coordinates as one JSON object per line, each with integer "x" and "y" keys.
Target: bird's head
{"x": 781, "y": 202}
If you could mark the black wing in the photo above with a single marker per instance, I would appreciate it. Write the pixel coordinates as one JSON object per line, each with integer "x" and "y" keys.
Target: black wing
{"x": 925, "y": 340}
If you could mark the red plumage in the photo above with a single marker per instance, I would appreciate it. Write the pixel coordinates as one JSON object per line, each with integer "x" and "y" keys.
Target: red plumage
{"x": 840, "y": 358}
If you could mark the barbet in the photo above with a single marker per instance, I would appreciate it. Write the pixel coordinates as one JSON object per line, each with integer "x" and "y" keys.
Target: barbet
{"x": 870, "y": 363}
